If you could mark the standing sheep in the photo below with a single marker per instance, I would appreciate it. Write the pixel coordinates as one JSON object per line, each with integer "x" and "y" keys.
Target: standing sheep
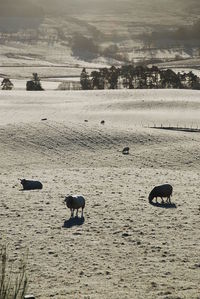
{"x": 75, "y": 202}
{"x": 31, "y": 185}
{"x": 161, "y": 191}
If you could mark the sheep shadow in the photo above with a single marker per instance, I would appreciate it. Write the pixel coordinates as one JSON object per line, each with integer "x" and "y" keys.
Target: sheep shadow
{"x": 165, "y": 205}
{"x": 74, "y": 221}
{"x": 25, "y": 190}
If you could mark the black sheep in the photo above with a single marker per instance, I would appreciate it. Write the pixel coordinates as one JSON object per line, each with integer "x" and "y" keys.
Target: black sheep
{"x": 161, "y": 191}
{"x": 31, "y": 185}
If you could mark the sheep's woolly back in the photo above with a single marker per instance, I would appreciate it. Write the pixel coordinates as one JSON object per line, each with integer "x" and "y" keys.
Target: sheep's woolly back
{"x": 31, "y": 185}
{"x": 75, "y": 201}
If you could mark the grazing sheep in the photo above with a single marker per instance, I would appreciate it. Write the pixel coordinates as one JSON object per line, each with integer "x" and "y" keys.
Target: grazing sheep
{"x": 102, "y": 122}
{"x": 125, "y": 150}
{"x": 161, "y": 191}
{"x": 75, "y": 202}
{"x": 31, "y": 185}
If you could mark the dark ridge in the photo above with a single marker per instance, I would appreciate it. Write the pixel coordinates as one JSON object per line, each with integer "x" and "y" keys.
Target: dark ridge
{"x": 190, "y": 130}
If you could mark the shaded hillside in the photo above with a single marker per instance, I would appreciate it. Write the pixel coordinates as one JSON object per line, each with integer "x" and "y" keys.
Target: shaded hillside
{"x": 184, "y": 36}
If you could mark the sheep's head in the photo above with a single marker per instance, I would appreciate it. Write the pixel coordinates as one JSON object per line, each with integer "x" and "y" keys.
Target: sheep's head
{"x": 23, "y": 182}
{"x": 69, "y": 201}
{"x": 151, "y": 196}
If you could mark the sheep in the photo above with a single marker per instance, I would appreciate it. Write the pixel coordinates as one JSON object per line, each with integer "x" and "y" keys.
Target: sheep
{"x": 31, "y": 185}
{"x": 103, "y": 122}
{"x": 161, "y": 191}
{"x": 74, "y": 202}
{"x": 125, "y": 150}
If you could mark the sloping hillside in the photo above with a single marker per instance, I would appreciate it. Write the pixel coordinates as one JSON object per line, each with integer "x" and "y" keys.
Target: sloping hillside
{"x": 95, "y": 33}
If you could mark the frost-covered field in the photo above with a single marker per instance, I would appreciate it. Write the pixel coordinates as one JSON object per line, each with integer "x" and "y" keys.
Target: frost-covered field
{"x": 124, "y": 248}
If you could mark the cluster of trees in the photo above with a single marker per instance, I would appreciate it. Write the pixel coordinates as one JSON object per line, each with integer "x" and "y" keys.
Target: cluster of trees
{"x": 6, "y": 84}
{"x": 34, "y": 84}
{"x": 143, "y": 77}
{"x": 88, "y": 48}
{"x": 127, "y": 76}
{"x": 84, "y": 47}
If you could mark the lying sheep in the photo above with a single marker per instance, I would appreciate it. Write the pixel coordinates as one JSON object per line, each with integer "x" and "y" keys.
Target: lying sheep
{"x": 161, "y": 191}
{"x": 75, "y": 202}
{"x": 31, "y": 185}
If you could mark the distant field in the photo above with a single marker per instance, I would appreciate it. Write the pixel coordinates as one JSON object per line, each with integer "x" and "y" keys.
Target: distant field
{"x": 44, "y": 72}
{"x": 193, "y": 63}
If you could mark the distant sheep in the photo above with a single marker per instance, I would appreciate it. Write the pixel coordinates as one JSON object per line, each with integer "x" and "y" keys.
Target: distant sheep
{"x": 75, "y": 202}
{"x": 103, "y": 122}
{"x": 125, "y": 150}
{"x": 31, "y": 185}
{"x": 161, "y": 191}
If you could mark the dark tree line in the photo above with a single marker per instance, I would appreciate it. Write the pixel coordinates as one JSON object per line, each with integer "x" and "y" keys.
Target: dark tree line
{"x": 34, "y": 84}
{"x": 137, "y": 77}
{"x": 6, "y": 84}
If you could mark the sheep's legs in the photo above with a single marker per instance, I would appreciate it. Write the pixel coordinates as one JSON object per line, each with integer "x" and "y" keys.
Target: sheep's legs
{"x": 77, "y": 212}
{"x": 162, "y": 200}
{"x": 72, "y": 213}
{"x": 82, "y": 213}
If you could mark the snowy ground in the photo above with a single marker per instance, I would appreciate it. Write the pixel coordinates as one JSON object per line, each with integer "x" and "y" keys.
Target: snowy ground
{"x": 124, "y": 247}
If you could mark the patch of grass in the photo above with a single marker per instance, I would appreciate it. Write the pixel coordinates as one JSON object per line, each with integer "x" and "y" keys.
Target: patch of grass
{"x": 13, "y": 284}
